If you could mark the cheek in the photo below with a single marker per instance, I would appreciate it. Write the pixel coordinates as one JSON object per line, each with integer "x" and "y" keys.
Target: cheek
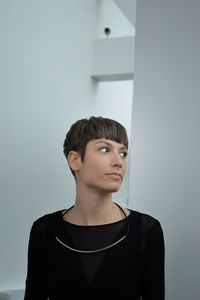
{"x": 95, "y": 170}
{"x": 92, "y": 167}
{"x": 97, "y": 167}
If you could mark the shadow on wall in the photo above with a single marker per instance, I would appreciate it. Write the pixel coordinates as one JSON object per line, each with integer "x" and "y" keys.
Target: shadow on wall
{"x": 12, "y": 295}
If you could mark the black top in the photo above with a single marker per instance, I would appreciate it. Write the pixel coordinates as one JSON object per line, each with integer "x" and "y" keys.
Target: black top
{"x": 131, "y": 269}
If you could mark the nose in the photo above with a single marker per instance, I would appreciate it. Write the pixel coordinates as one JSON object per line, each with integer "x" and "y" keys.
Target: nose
{"x": 117, "y": 160}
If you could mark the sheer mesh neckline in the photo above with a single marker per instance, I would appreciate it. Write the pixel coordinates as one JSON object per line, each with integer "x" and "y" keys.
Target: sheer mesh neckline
{"x": 92, "y": 238}
{"x": 94, "y": 226}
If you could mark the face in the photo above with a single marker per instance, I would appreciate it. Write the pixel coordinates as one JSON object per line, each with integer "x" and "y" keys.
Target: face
{"x": 103, "y": 167}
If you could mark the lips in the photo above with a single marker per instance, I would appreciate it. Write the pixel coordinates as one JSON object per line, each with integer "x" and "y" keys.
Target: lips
{"x": 115, "y": 175}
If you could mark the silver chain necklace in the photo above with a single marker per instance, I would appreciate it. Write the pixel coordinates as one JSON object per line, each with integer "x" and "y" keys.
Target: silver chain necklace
{"x": 96, "y": 250}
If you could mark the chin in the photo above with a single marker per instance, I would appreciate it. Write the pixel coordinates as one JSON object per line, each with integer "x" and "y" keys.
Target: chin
{"x": 109, "y": 188}
{"x": 114, "y": 190}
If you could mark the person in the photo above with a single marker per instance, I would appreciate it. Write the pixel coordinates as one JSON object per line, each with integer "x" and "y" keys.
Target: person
{"x": 96, "y": 249}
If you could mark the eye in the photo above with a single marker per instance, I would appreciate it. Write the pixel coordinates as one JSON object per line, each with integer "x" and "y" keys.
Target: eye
{"x": 123, "y": 154}
{"x": 104, "y": 149}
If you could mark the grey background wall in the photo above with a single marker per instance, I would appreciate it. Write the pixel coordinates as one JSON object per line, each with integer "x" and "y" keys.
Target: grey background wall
{"x": 45, "y": 85}
{"x": 165, "y": 166}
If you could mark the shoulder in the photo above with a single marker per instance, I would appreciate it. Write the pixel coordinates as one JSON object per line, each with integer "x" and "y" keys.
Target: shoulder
{"x": 147, "y": 229}
{"x": 43, "y": 221}
{"x": 42, "y": 230}
{"x": 146, "y": 221}
{"x": 143, "y": 216}
{"x": 49, "y": 216}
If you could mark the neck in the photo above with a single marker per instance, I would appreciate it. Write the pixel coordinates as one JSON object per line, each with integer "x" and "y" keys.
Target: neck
{"x": 94, "y": 209}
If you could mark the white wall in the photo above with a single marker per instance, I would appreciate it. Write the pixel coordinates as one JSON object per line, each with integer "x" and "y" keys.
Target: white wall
{"x": 165, "y": 169}
{"x": 109, "y": 15}
{"x": 45, "y": 85}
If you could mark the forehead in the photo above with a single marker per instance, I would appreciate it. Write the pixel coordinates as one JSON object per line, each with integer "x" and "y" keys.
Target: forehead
{"x": 108, "y": 142}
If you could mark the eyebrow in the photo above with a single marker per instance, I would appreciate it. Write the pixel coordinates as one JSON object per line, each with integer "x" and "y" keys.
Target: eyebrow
{"x": 110, "y": 144}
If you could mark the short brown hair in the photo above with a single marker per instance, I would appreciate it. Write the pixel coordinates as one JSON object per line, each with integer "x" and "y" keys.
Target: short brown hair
{"x": 85, "y": 130}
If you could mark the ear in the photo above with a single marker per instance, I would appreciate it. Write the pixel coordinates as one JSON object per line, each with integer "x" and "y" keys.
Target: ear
{"x": 74, "y": 160}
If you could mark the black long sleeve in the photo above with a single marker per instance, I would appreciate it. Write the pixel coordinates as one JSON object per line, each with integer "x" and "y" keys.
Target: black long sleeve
{"x": 154, "y": 274}
{"x": 35, "y": 285}
{"x": 133, "y": 269}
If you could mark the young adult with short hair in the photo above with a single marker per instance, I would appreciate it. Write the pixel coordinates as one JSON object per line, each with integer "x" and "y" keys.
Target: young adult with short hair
{"x": 96, "y": 249}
